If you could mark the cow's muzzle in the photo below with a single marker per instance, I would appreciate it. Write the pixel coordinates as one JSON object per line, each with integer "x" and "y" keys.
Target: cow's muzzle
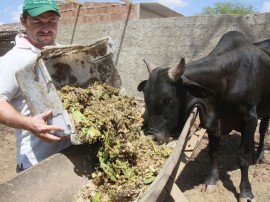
{"x": 159, "y": 137}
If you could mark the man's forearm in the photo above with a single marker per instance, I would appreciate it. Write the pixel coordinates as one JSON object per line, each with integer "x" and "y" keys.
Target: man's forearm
{"x": 36, "y": 124}
{"x": 10, "y": 117}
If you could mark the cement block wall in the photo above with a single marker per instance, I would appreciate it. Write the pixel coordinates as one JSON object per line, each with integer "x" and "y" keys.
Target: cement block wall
{"x": 164, "y": 41}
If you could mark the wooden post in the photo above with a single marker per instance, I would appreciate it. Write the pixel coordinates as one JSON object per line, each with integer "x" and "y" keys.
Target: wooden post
{"x": 79, "y": 7}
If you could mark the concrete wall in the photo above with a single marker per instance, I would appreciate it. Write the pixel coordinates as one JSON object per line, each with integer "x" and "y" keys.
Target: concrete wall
{"x": 164, "y": 41}
{"x": 144, "y": 14}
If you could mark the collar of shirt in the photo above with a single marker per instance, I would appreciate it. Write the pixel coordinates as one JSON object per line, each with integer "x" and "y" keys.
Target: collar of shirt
{"x": 22, "y": 42}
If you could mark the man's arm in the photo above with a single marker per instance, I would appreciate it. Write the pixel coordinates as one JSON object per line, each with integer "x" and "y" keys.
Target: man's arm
{"x": 36, "y": 124}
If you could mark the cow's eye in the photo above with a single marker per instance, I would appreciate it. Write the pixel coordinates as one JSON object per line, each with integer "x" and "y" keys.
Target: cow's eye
{"x": 167, "y": 101}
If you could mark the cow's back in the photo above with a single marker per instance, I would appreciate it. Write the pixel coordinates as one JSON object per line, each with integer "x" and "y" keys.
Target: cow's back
{"x": 238, "y": 71}
{"x": 264, "y": 45}
{"x": 230, "y": 41}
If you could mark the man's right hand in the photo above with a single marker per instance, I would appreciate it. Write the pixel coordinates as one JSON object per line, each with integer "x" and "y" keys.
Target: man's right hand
{"x": 36, "y": 124}
{"x": 44, "y": 131}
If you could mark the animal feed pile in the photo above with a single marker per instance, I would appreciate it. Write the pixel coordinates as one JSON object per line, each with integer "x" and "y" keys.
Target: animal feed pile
{"x": 128, "y": 161}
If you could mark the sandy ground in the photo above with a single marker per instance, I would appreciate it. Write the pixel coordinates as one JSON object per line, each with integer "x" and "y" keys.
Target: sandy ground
{"x": 190, "y": 181}
{"x": 193, "y": 176}
{"x": 8, "y": 152}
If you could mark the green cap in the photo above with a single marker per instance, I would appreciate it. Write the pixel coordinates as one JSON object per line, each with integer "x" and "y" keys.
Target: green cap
{"x": 37, "y": 7}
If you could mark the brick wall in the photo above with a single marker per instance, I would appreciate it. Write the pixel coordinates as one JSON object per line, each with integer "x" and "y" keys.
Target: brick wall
{"x": 96, "y": 12}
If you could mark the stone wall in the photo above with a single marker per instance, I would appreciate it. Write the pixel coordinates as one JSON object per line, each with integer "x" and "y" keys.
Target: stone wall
{"x": 164, "y": 41}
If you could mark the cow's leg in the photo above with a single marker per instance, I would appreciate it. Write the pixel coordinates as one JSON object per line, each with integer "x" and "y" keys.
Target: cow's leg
{"x": 245, "y": 153}
{"x": 260, "y": 150}
{"x": 212, "y": 177}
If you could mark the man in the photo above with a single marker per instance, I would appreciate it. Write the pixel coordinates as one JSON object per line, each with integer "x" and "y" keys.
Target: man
{"x": 33, "y": 138}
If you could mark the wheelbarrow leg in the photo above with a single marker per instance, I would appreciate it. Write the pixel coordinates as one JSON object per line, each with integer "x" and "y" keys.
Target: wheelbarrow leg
{"x": 175, "y": 192}
{"x": 191, "y": 145}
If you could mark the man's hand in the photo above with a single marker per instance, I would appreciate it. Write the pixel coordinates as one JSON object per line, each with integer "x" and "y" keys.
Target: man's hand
{"x": 44, "y": 131}
{"x": 37, "y": 124}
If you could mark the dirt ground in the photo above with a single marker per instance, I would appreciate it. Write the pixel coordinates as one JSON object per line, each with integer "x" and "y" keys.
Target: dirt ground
{"x": 190, "y": 181}
{"x": 8, "y": 152}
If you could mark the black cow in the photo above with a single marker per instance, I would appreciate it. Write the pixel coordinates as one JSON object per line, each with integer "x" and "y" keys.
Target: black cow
{"x": 231, "y": 89}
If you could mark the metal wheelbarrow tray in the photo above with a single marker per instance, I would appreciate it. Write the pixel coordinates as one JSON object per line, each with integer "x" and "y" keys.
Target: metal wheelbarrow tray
{"x": 57, "y": 66}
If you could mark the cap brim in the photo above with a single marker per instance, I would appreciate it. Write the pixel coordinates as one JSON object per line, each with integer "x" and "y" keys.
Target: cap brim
{"x": 38, "y": 11}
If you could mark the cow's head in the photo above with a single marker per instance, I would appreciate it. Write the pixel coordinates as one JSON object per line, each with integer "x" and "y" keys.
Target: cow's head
{"x": 165, "y": 95}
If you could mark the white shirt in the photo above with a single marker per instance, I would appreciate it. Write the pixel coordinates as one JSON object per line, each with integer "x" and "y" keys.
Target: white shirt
{"x": 30, "y": 148}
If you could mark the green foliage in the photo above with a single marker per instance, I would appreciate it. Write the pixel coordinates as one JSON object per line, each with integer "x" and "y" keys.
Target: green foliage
{"x": 227, "y": 8}
{"x": 128, "y": 161}
{"x": 97, "y": 197}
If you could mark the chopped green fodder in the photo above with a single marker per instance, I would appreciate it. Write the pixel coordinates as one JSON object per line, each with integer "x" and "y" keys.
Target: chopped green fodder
{"x": 128, "y": 161}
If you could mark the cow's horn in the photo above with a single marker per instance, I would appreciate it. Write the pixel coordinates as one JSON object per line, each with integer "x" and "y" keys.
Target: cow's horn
{"x": 149, "y": 66}
{"x": 176, "y": 72}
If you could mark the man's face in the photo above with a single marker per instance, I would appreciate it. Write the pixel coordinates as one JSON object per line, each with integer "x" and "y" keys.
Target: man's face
{"x": 41, "y": 30}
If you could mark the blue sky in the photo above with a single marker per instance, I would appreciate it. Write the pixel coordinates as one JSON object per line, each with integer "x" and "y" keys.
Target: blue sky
{"x": 10, "y": 10}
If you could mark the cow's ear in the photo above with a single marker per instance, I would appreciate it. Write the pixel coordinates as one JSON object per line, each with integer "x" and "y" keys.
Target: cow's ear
{"x": 141, "y": 85}
{"x": 197, "y": 90}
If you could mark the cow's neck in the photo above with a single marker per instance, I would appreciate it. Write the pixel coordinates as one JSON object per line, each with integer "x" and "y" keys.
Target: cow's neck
{"x": 188, "y": 103}
{"x": 193, "y": 102}
{"x": 208, "y": 71}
